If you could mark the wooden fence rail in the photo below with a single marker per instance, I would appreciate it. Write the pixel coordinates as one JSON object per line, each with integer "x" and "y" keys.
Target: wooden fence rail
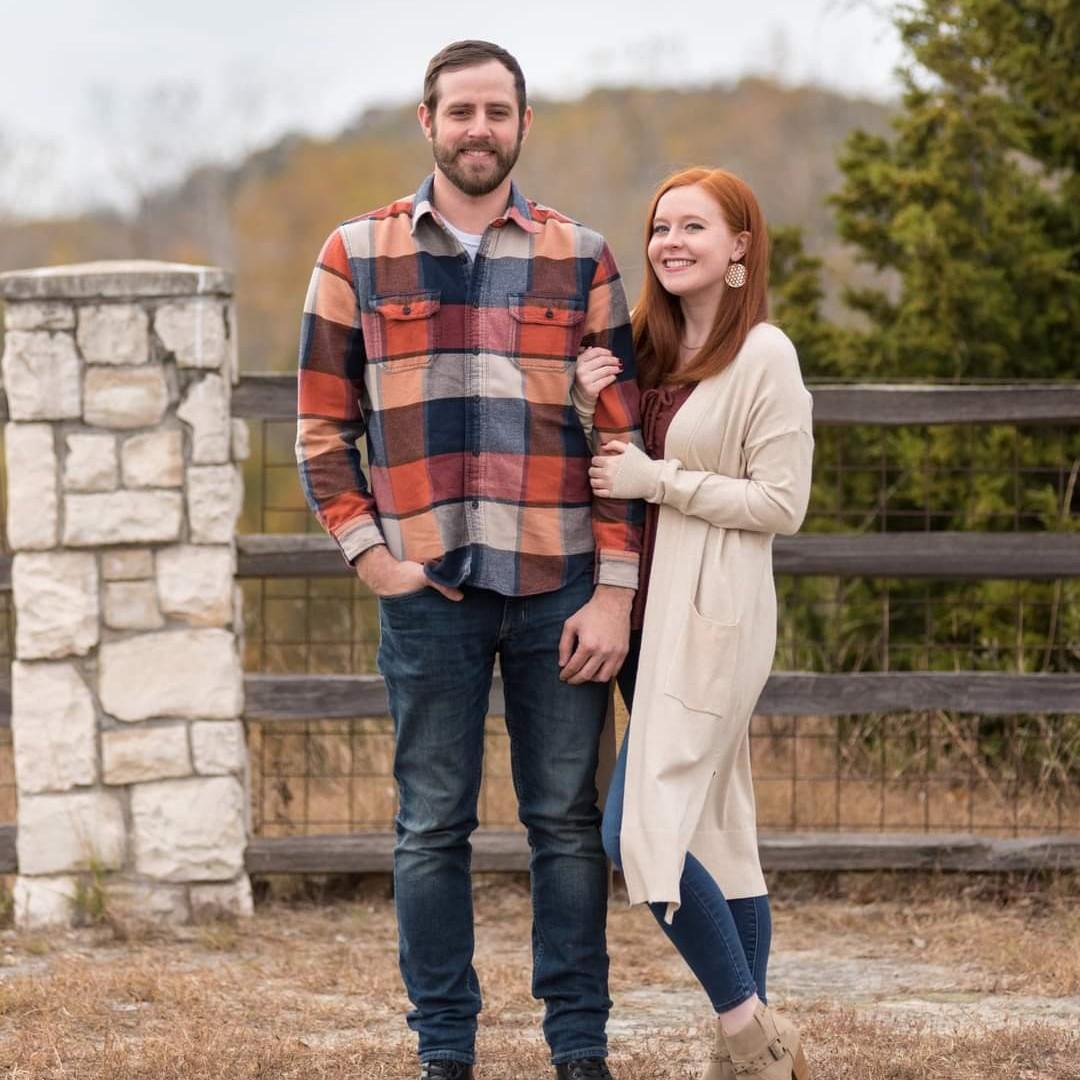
{"x": 271, "y": 698}
{"x": 498, "y": 850}
{"x": 273, "y": 397}
{"x": 278, "y": 698}
{"x": 953, "y": 555}
{"x": 1029, "y": 556}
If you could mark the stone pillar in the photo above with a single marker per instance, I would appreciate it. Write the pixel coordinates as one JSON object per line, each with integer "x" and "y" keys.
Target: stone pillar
{"x": 127, "y": 687}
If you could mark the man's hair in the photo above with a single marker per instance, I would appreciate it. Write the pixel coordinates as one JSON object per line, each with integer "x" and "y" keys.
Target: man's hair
{"x": 463, "y": 54}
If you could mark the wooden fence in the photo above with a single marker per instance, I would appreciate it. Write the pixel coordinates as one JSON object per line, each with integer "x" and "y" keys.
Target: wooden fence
{"x": 946, "y": 555}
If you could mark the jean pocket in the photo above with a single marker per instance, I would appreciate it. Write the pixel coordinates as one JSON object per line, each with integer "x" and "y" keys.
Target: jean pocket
{"x": 395, "y": 598}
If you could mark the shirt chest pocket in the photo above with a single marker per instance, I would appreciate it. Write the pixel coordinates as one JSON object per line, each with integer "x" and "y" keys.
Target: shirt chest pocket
{"x": 405, "y": 328}
{"x": 546, "y": 330}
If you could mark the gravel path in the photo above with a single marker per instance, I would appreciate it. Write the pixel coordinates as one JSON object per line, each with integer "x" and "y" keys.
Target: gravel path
{"x": 935, "y": 996}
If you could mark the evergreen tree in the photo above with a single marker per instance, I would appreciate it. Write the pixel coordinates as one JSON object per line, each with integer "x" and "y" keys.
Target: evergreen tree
{"x": 970, "y": 211}
{"x": 974, "y": 206}
{"x": 796, "y": 297}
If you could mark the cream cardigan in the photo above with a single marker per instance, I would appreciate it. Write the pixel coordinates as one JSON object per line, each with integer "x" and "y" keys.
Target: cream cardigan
{"x": 736, "y": 471}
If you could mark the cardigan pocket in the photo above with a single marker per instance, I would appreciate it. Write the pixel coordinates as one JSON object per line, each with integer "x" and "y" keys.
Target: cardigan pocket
{"x": 701, "y": 671}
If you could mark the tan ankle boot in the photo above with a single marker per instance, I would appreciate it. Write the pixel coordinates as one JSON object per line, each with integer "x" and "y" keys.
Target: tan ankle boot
{"x": 720, "y": 1067}
{"x": 768, "y": 1048}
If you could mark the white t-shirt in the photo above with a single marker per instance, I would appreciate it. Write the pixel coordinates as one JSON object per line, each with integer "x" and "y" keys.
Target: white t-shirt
{"x": 469, "y": 241}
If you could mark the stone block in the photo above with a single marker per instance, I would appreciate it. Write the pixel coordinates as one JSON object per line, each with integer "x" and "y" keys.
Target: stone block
{"x": 226, "y": 899}
{"x": 135, "y": 755}
{"x": 114, "y": 334}
{"x": 56, "y": 604}
{"x": 195, "y": 583}
{"x": 122, "y": 517}
{"x": 90, "y": 463}
{"x": 218, "y": 747}
{"x": 115, "y": 279}
{"x": 153, "y": 460}
{"x": 80, "y": 830}
{"x": 241, "y": 439}
{"x": 233, "y": 344}
{"x": 44, "y": 902}
{"x": 189, "y": 830}
{"x": 238, "y": 616}
{"x": 41, "y": 376}
{"x": 205, "y": 409}
{"x": 125, "y": 397}
{"x": 197, "y": 675}
{"x": 194, "y": 332}
{"x": 127, "y": 565}
{"x": 147, "y": 903}
{"x": 46, "y": 315}
{"x": 53, "y": 726}
{"x": 132, "y": 605}
{"x": 33, "y": 501}
{"x": 215, "y": 495}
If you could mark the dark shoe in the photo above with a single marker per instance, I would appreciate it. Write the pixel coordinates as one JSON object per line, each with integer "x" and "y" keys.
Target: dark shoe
{"x": 445, "y": 1070}
{"x": 584, "y": 1069}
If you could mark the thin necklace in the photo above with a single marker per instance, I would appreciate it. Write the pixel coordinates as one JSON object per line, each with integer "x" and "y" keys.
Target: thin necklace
{"x": 684, "y": 345}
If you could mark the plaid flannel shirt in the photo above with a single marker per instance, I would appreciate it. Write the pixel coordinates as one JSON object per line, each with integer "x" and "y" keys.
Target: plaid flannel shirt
{"x": 459, "y": 374}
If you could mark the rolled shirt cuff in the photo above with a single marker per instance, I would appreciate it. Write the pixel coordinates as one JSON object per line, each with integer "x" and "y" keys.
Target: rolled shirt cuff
{"x": 357, "y": 537}
{"x": 617, "y": 568}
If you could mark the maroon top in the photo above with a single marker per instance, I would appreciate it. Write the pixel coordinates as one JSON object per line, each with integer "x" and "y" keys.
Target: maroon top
{"x": 658, "y": 409}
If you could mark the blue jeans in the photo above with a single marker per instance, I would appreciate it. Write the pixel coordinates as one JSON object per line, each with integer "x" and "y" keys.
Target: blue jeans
{"x": 725, "y": 943}
{"x": 437, "y": 657}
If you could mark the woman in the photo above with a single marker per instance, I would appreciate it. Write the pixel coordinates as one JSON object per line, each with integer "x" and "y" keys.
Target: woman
{"x": 727, "y": 426}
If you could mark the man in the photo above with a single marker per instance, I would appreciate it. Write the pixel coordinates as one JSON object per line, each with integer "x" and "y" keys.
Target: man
{"x": 446, "y": 326}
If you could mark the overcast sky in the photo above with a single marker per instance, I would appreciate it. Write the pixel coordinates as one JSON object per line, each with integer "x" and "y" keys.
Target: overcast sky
{"x": 98, "y": 96}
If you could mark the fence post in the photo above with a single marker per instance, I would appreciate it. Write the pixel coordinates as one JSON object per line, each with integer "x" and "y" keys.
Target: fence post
{"x": 127, "y": 684}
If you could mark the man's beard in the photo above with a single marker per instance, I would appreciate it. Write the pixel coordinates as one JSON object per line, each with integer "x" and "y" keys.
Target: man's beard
{"x": 457, "y": 169}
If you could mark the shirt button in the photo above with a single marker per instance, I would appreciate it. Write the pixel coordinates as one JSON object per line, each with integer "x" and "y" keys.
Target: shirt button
{"x": 549, "y": 314}
{"x": 476, "y": 303}
{"x": 406, "y": 310}
{"x": 476, "y": 504}
{"x": 476, "y": 350}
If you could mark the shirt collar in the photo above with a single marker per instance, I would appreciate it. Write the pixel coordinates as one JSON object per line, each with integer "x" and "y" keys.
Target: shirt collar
{"x": 517, "y": 209}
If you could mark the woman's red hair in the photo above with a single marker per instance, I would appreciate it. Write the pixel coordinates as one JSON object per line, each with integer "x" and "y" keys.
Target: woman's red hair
{"x": 657, "y": 318}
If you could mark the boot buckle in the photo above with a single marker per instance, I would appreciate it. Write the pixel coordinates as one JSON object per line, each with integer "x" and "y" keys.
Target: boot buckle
{"x": 776, "y": 1048}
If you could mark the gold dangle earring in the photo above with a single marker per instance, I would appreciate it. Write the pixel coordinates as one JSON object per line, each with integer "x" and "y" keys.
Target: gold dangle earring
{"x": 735, "y": 275}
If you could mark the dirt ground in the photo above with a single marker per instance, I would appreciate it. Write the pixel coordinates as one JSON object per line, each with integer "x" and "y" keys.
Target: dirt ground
{"x": 943, "y": 983}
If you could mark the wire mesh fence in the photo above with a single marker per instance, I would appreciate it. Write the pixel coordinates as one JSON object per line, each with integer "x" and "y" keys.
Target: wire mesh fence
{"x": 926, "y": 772}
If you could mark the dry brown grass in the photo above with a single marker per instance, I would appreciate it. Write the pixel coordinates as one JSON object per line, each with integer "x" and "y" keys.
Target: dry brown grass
{"x": 313, "y": 993}
{"x": 848, "y": 1047}
{"x": 1016, "y": 949}
{"x": 1018, "y": 935}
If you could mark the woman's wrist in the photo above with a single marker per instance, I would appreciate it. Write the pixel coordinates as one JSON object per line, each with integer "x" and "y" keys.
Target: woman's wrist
{"x": 637, "y": 475}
